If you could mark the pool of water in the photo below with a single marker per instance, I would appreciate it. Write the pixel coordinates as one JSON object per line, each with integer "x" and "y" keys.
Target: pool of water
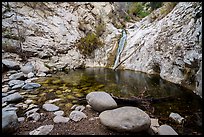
{"x": 72, "y": 88}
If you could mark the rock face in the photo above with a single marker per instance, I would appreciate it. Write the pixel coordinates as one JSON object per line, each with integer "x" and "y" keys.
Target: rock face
{"x": 122, "y": 119}
{"x": 170, "y": 47}
{"x": 100, "y": 101}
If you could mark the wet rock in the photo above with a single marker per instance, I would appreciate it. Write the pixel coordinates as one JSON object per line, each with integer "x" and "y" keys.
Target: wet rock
{"x": 121, "y": 119}
{"x": 9, "y": 121}
{"x": 176, "y": 117}
{"x": 10, "y": 64}
{"x": 16, "y": 76}
{"x": 12, "y": 91}
{"x": 77, "y": 115}
{"x": 26, "y": 69}
{"x": 100, "y": 101}
{"x": 50, "y": 107}
{"x": 166, "y": 130}
{"x": 60, "y": 119}
{"x": 42, "y": 130}
{"x": 59, "y": 113}
{"x": 12, "y": 97}
{"x": 31, "y": 85}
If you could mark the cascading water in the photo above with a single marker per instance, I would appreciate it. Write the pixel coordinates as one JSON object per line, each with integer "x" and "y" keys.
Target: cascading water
{"x": 120, "y": 48}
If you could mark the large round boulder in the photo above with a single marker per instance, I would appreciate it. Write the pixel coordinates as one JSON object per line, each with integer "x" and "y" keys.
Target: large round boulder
{"x": 100, "y": 101}
{"x": 131, "y": 119}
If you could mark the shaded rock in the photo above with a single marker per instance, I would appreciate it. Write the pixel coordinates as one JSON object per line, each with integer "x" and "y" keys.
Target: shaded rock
{"x": 153, "y": 127}
{"x": 100, "y": 101}
{"x": 176, "y": 117}
{"x": 21, "y": 119}
{"x": 50, "y": 107}
{"x": 34, "y": 116}
{"x": 79, "y": 108}
{"x": 5, "y": 89}
{"x": 122, "y": 119}
{"x": 77, "y": 115}
{"x": 60, "y": 119}
{"x": 26, "y": 69}
{"x": 10, "y": 64}
{"x": 31, "y": 85}
{"x": 16, "y": 76}
{"x": 166, "y": 130}
{"x": 12, "y": 97}
{"x": 59, "y": 113}
{"x": 15, "y": 82}
{"x": 9, "y": 121}
{"x": 28, "y": 101}
{"x": 42, "y": 130}
{"x": 31, "y": 111}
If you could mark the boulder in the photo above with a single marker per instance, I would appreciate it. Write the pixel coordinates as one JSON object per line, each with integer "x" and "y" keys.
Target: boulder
{"x": 127, "y": 118}
{"x": 50, "y": 107}
{"x": 10, "y": 64}
{"x": 166, "y": 130}
{"x": 9, "y": 121}
{"x": 100, "y": 101}
{"x": 42, "y": 130}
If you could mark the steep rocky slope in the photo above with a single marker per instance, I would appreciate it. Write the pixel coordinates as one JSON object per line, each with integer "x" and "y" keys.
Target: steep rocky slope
{"x": 170, "y": 46}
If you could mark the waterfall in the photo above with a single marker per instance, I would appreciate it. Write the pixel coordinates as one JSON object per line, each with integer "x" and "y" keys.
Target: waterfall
{"x": 120, "y": 48}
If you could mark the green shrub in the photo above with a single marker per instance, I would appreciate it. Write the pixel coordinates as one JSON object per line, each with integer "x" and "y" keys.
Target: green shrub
{"x": 100, "y": 29}
{"x": 137, "y": 9}
{"x": 88, "y": 44}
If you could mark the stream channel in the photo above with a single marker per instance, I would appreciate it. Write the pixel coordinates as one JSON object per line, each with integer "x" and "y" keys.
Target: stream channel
{"x": 72, "y": 88}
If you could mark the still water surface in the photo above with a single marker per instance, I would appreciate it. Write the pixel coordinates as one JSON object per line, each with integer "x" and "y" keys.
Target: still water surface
{"x": 72, "y": 88}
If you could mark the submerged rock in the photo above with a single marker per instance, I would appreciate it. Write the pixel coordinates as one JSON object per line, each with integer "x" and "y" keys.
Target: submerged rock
{"x": 122, "y": 119}
{"x": 100, "y": 101}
